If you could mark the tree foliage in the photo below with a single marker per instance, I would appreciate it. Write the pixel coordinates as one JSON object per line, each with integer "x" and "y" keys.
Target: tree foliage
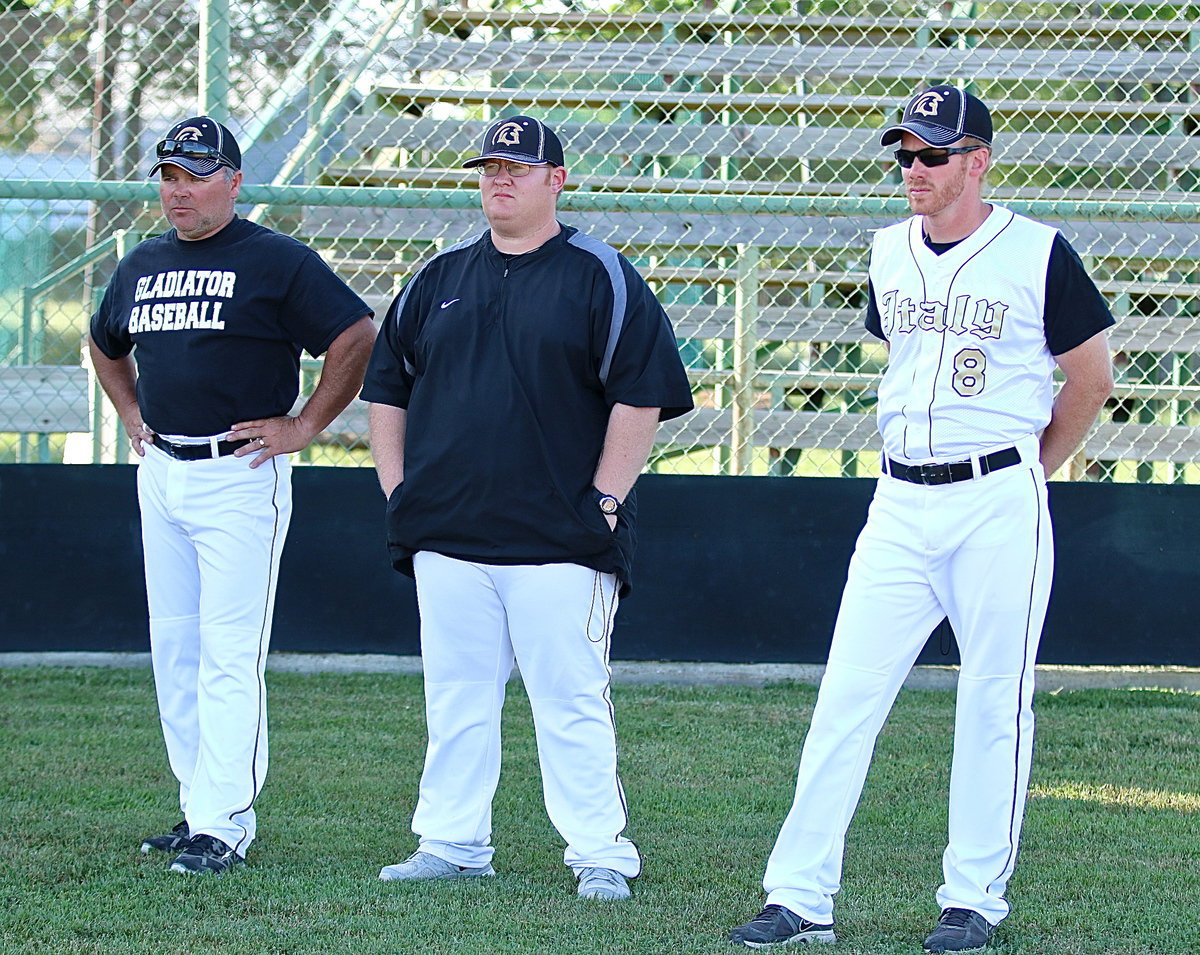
{"x": 151, "y": 54}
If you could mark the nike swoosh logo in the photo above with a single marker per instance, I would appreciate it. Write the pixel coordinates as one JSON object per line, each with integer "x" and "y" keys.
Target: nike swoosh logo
{"x": 449, "y": 303}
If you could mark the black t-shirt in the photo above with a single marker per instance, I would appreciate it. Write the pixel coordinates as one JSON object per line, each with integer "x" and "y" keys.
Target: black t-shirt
{"x": 219, "y": 324}
{"x": 509, "y": 367}
{"x": 1075, "y": 309}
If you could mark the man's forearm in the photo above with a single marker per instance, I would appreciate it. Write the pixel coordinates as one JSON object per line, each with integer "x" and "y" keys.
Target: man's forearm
{"x": 341, "y": 376}
{"x": 1088, "y": 370}
{"x": 118, "y": 378}
{"x": 388, "y": 424}
{"x": 627, "y": 446}
{"x": 1075, "y": 411}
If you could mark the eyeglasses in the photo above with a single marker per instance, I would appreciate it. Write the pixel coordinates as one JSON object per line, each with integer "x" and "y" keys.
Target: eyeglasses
{"x": 931, "y": 157}
{"x": 514, "y": 169}
{"x": 189, "y": 149}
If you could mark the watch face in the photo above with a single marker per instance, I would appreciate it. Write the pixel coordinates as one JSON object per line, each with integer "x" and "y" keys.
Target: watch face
{"x": 609, "y": 504}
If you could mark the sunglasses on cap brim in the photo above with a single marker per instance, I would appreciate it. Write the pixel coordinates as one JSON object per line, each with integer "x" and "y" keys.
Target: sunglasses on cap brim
{"x": 189, "y": 149}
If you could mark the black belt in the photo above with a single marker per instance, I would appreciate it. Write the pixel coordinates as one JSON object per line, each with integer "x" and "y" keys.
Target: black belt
{"x": 957, "y": 471}
{"x": 197, "y": 452}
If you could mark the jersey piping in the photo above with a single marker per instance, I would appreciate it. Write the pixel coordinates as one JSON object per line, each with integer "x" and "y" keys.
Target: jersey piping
{"x": 612, "y": 265}
{"x": 263, "y": 640}
{"x": 1015, "y": 818}
{"x": 915, "y": 237}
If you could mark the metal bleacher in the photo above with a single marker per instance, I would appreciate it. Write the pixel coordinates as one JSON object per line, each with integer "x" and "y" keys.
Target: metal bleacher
{"x": 734, "y": 158}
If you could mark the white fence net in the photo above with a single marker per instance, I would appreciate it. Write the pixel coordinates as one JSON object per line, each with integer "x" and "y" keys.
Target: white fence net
{"x": 728, "y": 148}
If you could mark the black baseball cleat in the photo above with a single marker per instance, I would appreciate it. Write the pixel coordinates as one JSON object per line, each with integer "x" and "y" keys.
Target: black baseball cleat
{"x": 776, "y": 925}
{"x": 206, "y": 855}
{"x": 173, "y": 841}
{"x": 960, "y": 930}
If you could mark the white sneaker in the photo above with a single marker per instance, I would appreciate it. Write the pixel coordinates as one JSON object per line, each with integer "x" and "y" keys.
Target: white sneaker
{"x": 422, "y": 866}
{"x": 597, "y": 883}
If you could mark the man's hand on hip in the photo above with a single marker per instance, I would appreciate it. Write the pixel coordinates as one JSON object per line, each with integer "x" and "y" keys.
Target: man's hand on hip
{"x": 271, "y": 436}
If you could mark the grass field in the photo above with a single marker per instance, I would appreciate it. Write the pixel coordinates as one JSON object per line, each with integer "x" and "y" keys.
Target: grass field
{"x": 1108, "y": 866}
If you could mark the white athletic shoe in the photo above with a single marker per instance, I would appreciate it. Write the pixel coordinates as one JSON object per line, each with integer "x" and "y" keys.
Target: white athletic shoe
{"x": 598, "y": 883}
{"x": 422, "y": 866}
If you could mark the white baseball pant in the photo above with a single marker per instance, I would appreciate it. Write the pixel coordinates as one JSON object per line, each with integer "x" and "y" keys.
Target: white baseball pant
{"x": 212, "y": 536}
{"x": 981, "y": 553}
{"x": 555, "y": 622}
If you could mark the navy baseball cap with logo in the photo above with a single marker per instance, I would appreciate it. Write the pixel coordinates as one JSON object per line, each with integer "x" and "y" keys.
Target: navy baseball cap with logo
{"x": 519, "y": 139}
{"x": 200, "y": 145}
{"x": 941, "y": 116}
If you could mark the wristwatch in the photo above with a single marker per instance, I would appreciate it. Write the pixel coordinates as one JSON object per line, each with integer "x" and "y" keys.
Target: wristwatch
{"x": 607, "y": 503}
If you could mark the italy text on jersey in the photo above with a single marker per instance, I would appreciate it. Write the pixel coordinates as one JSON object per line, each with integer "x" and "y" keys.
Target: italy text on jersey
{"x": 976, "y": 316}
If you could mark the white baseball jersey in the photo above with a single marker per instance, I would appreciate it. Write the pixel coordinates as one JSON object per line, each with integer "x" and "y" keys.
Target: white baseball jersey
{"x": 972, "y": 327}
{"x": 969, "y": 370}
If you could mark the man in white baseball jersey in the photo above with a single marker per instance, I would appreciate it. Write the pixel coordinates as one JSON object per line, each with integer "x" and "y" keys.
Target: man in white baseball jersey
{"x": 215, "y": 312}
{"x": 516, "y": 388}
{"x": 977, "y": 306}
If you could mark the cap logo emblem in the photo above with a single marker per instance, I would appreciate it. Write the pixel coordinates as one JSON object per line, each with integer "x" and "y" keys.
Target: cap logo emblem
{"x": 508, "y": 135}
{"x": 188, "y": 134}
{"x": 928, "y": 103}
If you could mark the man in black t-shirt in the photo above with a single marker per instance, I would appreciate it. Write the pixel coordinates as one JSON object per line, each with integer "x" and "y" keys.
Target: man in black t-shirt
{"x": 216, "y": 312}
{"x": 516, "y": 388}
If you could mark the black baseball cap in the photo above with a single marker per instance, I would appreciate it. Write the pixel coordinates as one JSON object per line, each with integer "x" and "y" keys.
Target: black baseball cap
{"x": 941, "y": 116}
{"x": 200, "y": 145}
{"x": 519, "y": 139}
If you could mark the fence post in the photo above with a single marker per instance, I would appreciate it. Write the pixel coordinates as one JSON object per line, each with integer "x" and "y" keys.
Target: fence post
{"x": 106, "y": 423}
{"x": 319, "y": 81}
{"x": 214, "y": 59}
{"x": 745, "y": 342}
{"x": 25, "y": 443}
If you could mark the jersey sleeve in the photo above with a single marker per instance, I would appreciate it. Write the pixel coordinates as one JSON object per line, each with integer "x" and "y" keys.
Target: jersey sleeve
{"x": 873, "y": 321}
{"x": 390, "y": 373}
{"x": 645, "y": 369}
{"x": 319, "y": 306}
{"x": 1075, "y": 309}
{"x": 108, "y": 327}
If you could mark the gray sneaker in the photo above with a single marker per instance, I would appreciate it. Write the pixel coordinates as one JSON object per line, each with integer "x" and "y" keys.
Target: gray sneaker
{"x": 422, "y": 866}
{"x": 599, "y": 883}
{"x": 959, "y": 930}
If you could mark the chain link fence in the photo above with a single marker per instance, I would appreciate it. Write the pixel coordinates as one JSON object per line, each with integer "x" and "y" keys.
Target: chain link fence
{"x": 728, "y": 148}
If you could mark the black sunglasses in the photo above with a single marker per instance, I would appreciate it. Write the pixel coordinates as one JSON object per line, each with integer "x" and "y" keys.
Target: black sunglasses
{"x": 189, "y": 149}
{"x": 931, "y": 157}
